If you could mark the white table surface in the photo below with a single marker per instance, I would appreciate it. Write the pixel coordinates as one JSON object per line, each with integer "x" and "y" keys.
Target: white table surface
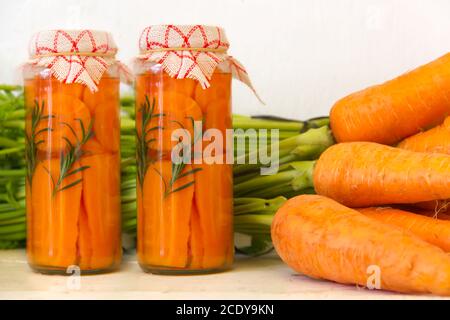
{"x": 252, "y": 278}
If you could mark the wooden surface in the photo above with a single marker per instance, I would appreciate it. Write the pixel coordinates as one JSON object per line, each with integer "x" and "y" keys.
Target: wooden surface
{"x": 252, "y": 278}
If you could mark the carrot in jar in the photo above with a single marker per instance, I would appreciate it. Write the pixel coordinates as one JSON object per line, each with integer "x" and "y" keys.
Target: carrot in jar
{"x": 220, "y": 89}
{"x": 185, "y": 87}
{"x": 101, "y": 199}
{"x": 214, "y": 201}
{"x": 92, "y": 146}
{"x": 166, "y": 216}
{"x": 107, "y": 125}
{"x": 196, "y": 243}
{"x": 84, "y": 241}
{"x": 108, "y": 91}
{"x": 74, "y": 90}
{"x": 55, "y": 209}
{"x": 172, "y": 111}
{"x": 65, "y": 119}
{"x": 218, "y": 116}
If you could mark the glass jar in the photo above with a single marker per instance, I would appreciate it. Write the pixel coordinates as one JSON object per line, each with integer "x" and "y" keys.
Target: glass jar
{"x": 73, "y": 173}
{"x": 185, "y": 218}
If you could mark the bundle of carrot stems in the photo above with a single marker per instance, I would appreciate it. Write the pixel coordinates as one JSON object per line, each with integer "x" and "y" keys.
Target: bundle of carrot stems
{"x": 256, "y": 196}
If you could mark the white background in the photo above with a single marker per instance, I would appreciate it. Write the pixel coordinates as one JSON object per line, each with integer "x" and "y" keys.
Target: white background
{"x": 301, "y": 54}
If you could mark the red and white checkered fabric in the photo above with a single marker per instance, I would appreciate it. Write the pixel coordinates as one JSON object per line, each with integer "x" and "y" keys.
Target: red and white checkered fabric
{"x": 197, "y": 65}
{"x": 45, "y": 47}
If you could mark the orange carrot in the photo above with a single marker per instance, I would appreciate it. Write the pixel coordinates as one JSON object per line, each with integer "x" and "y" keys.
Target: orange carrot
{"x": 436, "y": 140}
{"x": 165, "y": 217}
{"x": 84, "y": 241}
{"x": 64, "y": 118}
{"x": 108, "y": 91}
{"x": 101, "y": 199}
{"x": 176, "y": 111}
{"x": 107, "y": 125}
{"x": 183, "y": 86}
{"x": 196, "y": 243}
{"x": 397, "y": 109}
{"x": 214, "y": 201}
{"x": 323, "y": 239}
{"x": 220, "y": 89}
{"x": 433, "y": 231}
{"x": 218, "y": 116}
{"x": 364, "y": 174}
{"x": 92, "y": 146}
{"x": 55, "y": 216}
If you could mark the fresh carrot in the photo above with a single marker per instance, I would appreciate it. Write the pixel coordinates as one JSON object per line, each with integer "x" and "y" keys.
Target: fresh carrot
{"x": 436, "y": 206}
{"x": 397, "y": 109}
{"x": 364, "y": 174}
{"x": 433, "y": 231}
{"x": 323, "y": 239}
{"x": 436, "y": 140}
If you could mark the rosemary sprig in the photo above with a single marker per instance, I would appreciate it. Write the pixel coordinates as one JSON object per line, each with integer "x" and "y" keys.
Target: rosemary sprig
{"x": 177, "y": 168}
{"x": 70, "y": 157}
{"x": 30, "y": 139}
{"x": 147, "y": 110}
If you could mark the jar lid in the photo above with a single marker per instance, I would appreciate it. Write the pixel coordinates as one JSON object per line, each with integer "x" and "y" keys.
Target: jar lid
{"x": 75, "y": 56}
{"x": 190, "y": 51}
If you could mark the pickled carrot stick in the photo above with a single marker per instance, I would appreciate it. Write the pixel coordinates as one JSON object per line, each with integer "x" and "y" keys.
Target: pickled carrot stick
{"x": 176, "y": 111}
{"x": 74, "y": 90}
{"x": 196, "y": 243}
{"x": 92, "y": 146}
{"x": 220, "y": 89}
{"x": 65, "y": 119}
{"x": 84, "y": 241}
{"x": 55, "y": 215}
{"x": 151, "y": 196}
{"x": 218, "y": 116}
{"x": 166, "y": 217}
{"x": 107, "y": 125}
{"x": 185, "y": 87}
{"x": 101, "y": 198}
{"x": 108, "y": 91}
{"x": 213, "y": 198}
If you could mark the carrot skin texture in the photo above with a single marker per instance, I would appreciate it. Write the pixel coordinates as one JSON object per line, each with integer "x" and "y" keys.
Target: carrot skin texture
{"x": 431, "y": 230}
{"x": 323, "y": 239}
{"x": 435, "y": 140}
{"x": 364, "y": 174}
{"x": 378, "y": 113}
